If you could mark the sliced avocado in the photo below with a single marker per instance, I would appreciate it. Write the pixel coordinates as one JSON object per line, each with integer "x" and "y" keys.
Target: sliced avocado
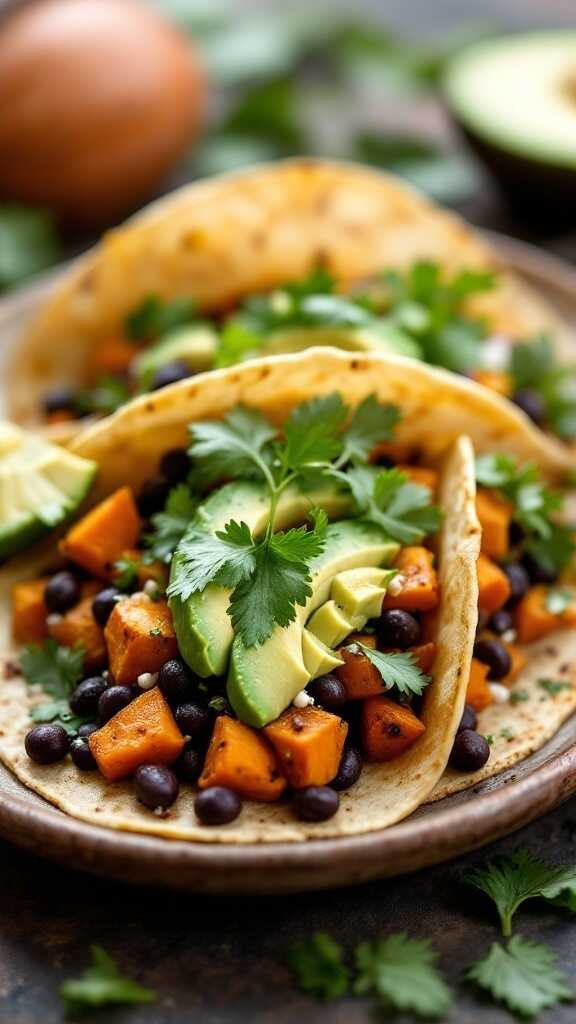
{"x": 202, "y": 625}
{"x": 381, "y": 336}
{"x": 331, "y": 624}
{"x": 361, "y": 591}
{"x": 41, "y": 485}
{"x": 195, "y": 346}
{"x": 318, "y": 658}
{"x": 262, "y": 681}
{"x": 515, "y": 100}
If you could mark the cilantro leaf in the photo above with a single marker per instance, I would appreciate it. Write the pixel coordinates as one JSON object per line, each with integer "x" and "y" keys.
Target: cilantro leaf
{"x": 371, "y": 423}
{"x": 101, "y": 984}
{"x": 312, "y": 431}
{"x": 554, "y": 686}
{"x": 398, "y": 670}
{"x": 523, "y": 977}
{"x": 237, "y": 446}
{"x": 58, "y": 711}
{"x": 555, "y": 552}
{"x": 108, "y": 394}
{"x": 155, "y": 316}
{"x": 171, "y": 524}
{"x": 28, "y": 242}
{"x": 125, "y": 573}
{"x": 226, "y": 557}
{"x": 319, "y": 967}
{"x": 512, "y": 880}
{"x": 237, "y": 341}
{"x": 55, "y": 669}
{"x": 388, "y": 498}
{"x": 533, "y": 366}
{"x": 402, "y": 972}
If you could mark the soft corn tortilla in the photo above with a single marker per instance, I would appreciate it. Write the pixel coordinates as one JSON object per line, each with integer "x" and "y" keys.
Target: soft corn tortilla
{"x": 222, "y": 239}
{"x": 385, "y": 793}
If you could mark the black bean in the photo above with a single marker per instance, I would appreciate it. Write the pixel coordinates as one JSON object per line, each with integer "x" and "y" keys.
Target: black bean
{"x": 501, "y": 622}
{"x": 59, "y": 399}
{"x": 104, "y": 603}
{"x": 397, "y": 628}
{"x": 483, "y": 619}
{"x": 113, "y": 700}
{"x": 494, "y": 654}
{"x": 156, "y": 786}
{"x": 532, "y": 404}
{"x": 62, "y": 592}
{"x": 469, "y": 718}
{"x": 87, "y": 729}
{"x": 328, "y": 691}
{"x": 316, "y": 803}
{"x": 81, "y": 755}
{"x": 188, "y": 767}
{"x": 152, "y": 496}
{"x": 47, "y": 744}
{"x": 170, "y": 373}
{"x": 519, "y": 581}
{"x": 84, "y": 699}
{"x": 175, "y": 465}
{"x": 516, "y": 533}
{"x": 193, "y": 720}
{"x": 175, "y": 680}
{"x": 537, "y": 572}
{"x": 217, "y": 805}
{"x": 349, "y": 769}
{"x": 470, "y": 751}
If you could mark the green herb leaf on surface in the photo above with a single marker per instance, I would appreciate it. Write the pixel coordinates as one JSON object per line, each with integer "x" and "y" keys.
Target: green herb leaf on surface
{"x": 55, "y": 669}
{"x": 107, "y": 395}
{"x": 387, "y": 497}
{"x": 102, "y": 984}
{"x": 318, "y": 964}
{"x": 557, "y": 601}
{"x": 170, "y": 525}
{"x": 155, "y": 316}
{"x": 237, "y": 446}
{"x": 398, "y": 670}
{"x": 313, "y": 432}
{"x": 372, "y": 423}
{"x": 125, "y": 573}
{"x": 523, "y": 976}
{"x": 58, "y": 711}
{"x": 554, "y": 686}
{"x": 226, "y": 557}
{"x": 402, "y": 972}
{"x": 533, "y": 366}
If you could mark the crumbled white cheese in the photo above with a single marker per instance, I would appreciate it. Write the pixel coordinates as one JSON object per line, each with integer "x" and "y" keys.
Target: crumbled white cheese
{"x": 147, "y": 680}
{"x": 302, "y": 700}
{"x": 54, "y": 619}
{"x": 151, "y": 588}
{"x": 396, "y": 585}
{"x": 509, "y": 636}
{"x": 500, "y": 693}
{"x": 495, "y": 353}
{"x": 105, "y": 674}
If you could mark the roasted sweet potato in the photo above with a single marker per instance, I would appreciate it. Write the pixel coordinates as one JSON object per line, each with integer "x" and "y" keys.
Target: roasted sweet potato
{"x": 420, "y": 589}
{"x": 517, "y": 662}
{"x": 393, "y": 451}
{"x": 359, "y": 676}
{"x": 496, "y": 380}
{"x": 140, "y": 637}
{"x": 533, "y": 619}
{"x": 112, "y": 357}
{"x": 144, "y": 732}
{"x": 495, "y": 515}
{"x": 29, "y": 611}
{"x": 60, "y": 416}
{"x": 241, "y": 759}
{"x": 421, "y": 475}
{"x": 388, "y": 729}
{"x": 493, "y": 586}
{"x": 308, "y": 743}
{"x": 100, "y": 537}
{"x": 478, "y": 693}
{"x": 424, "y": 655}
{"x": 78, "y": 626}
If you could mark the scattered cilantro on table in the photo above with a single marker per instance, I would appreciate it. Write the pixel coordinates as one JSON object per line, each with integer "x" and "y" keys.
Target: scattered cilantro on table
{"x": 523, "y": 976}
{"x": 102, "y": 984}
{"x": 399, "y": 671}
{"x": 318, "y": 964}
{"x": 401, "y": 971}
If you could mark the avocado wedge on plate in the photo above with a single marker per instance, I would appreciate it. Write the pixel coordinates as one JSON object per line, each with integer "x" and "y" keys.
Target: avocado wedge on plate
{"x": 515, "y": 100}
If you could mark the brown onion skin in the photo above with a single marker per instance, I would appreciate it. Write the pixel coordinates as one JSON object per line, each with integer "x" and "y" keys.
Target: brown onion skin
{"x": 98, "y": 100}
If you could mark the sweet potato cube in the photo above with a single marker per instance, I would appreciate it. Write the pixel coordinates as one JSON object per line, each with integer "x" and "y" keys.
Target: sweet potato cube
{"x": 308, "y": 743}
{"x": 533, "y": 619}
{"x": 493, "y": 586}
{"x": 420, "y": 590}
{"x": 112, "y": 357}
{"x": 388, "y": 729}
{"x": 424, "y": 655}
{"x": 78, "y": 626}
{"x": 140, "y": 637}
{"x": 517, "y": 662}
{"x": 241, "y": 759}
{"x": 358, "y": 675}
{"x": 29, "y": 611}
{"x": 100, "y": 537}
{"x": 144, "y": 732}
{"x": 422, "y": 475}
{"x": 478, "y": 693}
{"x": 495, "y": 515}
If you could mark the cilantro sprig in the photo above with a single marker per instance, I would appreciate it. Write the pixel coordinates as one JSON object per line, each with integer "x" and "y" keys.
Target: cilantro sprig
{"x": 102, "y": 984}
{"x": 170, "y": 525}
{"x": 398, "y": 670}
{"x": 155, "y": 316}
{"x": 318, "y": 964}
{"x": 523, "y": 975}
{"x": 55, "y": 669}
{"x": 534, "y": 367}
{"x": 391, "y": 500}
{"x": 401, "y": 971}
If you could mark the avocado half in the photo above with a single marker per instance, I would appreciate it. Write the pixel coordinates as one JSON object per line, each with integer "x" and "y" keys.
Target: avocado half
{"x": 514, "y": 99}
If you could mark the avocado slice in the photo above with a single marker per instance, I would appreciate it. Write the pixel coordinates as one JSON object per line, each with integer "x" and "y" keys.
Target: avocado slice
{"x": 515, "y": 100}
{"x": 262, "y": 681}
{"x": 361, "y": 591}
{"x": 195, "y": 345}
{"x": 331, "y": 624}
{"x": 41, "y": 485}
{"x": 202, "y": 624}
{"x": 318, "y": 658}
{"x": 382, "y": 336}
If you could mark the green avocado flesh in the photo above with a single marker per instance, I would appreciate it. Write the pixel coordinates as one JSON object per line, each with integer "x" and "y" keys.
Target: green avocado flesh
{"x": 519, "y": 94}
{"x": 195, "y": 346}
{"x": 203, "y": 626}
{"x": 383, "y": 338}
{"x": 318, "y": 658}
{"x": 41, "y": 485}
{"x": 262, "y": 681}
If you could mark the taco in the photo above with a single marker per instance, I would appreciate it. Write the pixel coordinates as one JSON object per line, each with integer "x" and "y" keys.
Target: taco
{"x": 276, "y": 259}
{"x": 190, "y": 654}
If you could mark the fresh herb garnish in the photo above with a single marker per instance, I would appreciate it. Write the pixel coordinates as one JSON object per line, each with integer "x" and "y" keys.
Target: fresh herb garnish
{"x": 102, "y": 984}
{"x": 512, "y": 880}
{"x": 58, "y": 711}
{"x": 155, "y": 631}
{"x": 319, "y": 967}
{"x": 28, "y": 242}
{"x": 125, "y": 573}
{"x": 170, "y": 525}
{"x": 388, "y": 498}
{"x": 398, "y": 670}
{"x": 534, "y": 367}
{"x": 155, "y": 316}
{"x": 523, "y": 976}
{"x": 554, "y": 686}
{"x": 107, "y": 395}
{"x": 519, "y": 696}
{"x": 53, "y": 668}
{"x": 402, "y": 972}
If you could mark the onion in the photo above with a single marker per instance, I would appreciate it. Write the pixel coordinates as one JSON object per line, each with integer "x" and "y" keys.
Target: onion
{"x": 98, "y": 99}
